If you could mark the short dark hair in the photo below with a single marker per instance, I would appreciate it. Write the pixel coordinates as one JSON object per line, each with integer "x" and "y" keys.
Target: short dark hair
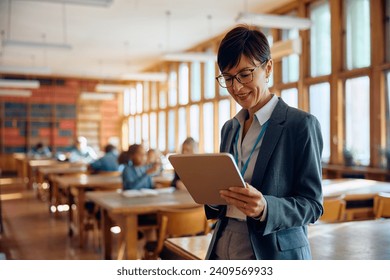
{"x": 123, "y": 157}
{"x": 109, "y": 148}
{"x": 242, "y": 40}
{"x": 133, "y": 149}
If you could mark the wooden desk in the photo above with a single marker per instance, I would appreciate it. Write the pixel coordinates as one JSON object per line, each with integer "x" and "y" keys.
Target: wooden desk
{"x": 360, "y": 240}
{"x": 355, "y": 190}
{"x": 128, "y": 209}
{"x": 47, "y": 173}
{"x": 331, "y": 171}
{"x": 21, "y": 165}
{"x": 76, "y": 187}
{"x": 34, "y": 164}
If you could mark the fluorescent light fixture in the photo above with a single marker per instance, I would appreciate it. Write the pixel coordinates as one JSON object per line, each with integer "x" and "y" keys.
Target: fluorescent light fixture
{"x": 190, "y": 57}
{"x": 97, "y": 96}
{"x": 15, "y": 93}
{"x": 111, "y": 87}
{"x": 274, "y": 21}
{"x": 146, "y": 76}
{"x": 24, "y": 70}
{"x": 284, "y": 48}
{"x": 19, "y": 83}
{"x": 32, "y": 44}
{"x": 102, "y": 3}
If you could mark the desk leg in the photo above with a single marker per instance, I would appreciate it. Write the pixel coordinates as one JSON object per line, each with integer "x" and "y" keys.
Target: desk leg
{"x": 106, "y": 234}
{"x": 70, "y": 212}
{"x": 131, "y": 237}
{"x": 80, "y": 214}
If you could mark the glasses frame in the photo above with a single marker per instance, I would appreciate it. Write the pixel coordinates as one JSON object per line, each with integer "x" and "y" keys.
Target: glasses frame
{"x": 238, "y": 79}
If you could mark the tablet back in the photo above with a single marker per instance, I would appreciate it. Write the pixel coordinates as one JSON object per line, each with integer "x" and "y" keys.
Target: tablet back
{"x": 204, "y": 175}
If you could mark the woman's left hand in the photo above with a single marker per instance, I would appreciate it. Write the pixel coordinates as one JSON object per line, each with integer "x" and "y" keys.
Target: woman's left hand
{"x": 248, "y": 200}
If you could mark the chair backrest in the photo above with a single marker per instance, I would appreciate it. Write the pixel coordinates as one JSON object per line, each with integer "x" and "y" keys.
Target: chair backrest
{"x": 382, "y": 205}
{"x": 334, "y": 209}
{"x": 180, "y": 222}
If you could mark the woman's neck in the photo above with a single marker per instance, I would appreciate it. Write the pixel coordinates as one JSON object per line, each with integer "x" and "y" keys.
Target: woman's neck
{"x": 260, "y": 104}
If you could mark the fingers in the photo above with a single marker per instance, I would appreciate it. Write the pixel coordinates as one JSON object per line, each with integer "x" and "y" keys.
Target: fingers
{"x": 247, "y": 200}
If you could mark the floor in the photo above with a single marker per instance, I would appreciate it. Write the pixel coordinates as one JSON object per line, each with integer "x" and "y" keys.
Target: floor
{"x": 31, "y": 232}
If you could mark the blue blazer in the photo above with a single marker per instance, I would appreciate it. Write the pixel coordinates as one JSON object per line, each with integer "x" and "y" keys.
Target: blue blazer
{"x": 288, "y": 173}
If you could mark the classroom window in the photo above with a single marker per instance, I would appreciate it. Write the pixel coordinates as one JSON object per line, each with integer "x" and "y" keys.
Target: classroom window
{"x": 171, "y": 130}
{"x": 320, "y": 45}
{"x": 195, "y": 81}
{"x": 223, "y": 114}
{"x": 153, "y": 130}
{"x": 126, "y": 102}
{"x": 320, "y": 108}
{"x": 209, "y": 79}
{"x": 182, "y": 125}
{"x": 172, "y": 80}
{"x": 290, "y": 64}
{"x": 357, "y": 25}
{"x": 357, "y": 118}
{"x": 388, "y": 110}
{"x": 145, "y": 128}
{"x": 140, "y": 92}
{"x": 238, "y": 107}
{"x": 387, "y": 28}
{"x": 146, "y": 96}
{"x": 131, "y": 130}
{"x": 161, "y": 131}
{"x": 290, "y": 96}
{"x": 163, "y": 99}
{"x": 194, "y": 121}
{"x": 208, "y": 127}
{"x": 138, "y": 135}
{"x": 183, "y": 83}
{"x": 153, "y": 96}
{"x": 133, "y": 101}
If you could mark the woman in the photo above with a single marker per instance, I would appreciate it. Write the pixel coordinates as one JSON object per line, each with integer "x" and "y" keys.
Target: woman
{"x": 278, "y": 151}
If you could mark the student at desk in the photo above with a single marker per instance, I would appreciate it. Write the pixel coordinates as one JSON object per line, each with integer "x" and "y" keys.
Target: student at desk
{"x": 136, "y": 174}
{"x": 109, "y": 162}
{"x": 188, "y": 147}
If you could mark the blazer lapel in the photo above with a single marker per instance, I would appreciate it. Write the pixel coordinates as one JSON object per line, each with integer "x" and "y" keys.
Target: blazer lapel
{"x": 271, "y": 138}
{"x": 228, "y": 146}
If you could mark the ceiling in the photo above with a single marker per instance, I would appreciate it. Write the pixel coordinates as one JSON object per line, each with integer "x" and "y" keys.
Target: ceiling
{"x": 126, "y": 36}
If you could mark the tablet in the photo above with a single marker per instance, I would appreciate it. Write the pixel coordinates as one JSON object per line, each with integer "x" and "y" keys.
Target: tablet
{"x": 204, "y": 175}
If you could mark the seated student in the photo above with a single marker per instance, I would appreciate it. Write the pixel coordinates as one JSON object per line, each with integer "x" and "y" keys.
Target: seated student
{"x": 82, "y": 152}
{"x": 39, "y": 151}
{"x": 153, "y": 157}
{"x": 123, "y": 160}
{"x": 109, "y": 162}
{"x": 188, "y": 147}
{"x": 137, "y": 175}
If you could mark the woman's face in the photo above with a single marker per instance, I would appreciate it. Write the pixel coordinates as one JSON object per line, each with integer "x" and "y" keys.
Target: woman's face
{"x": 250, "y": 94}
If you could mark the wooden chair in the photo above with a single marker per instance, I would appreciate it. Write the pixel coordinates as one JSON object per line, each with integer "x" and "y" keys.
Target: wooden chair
{"x": 334, "y": 209}
{"x": 177, "y": 223}
{"x": 382, "y": 205}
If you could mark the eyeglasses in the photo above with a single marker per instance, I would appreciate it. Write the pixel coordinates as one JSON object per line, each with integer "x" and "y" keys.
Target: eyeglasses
{"x": 243, "y": 77}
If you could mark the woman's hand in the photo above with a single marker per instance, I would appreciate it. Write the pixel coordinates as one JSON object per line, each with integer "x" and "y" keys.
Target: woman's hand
{"x": 248, "y": 200}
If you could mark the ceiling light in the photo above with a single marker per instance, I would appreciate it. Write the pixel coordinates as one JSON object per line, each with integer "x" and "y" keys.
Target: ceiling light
{"x": 274, "y": 21}
{"x": 15, "y": 92}
{"x": 7, "y": 69}
{"x": 19, "y": 83}
{"x": 31, "y": 44}
{"x": 97, "y": 96}
{"x": 102, "y": 3}
{"x": 285, "y": 48}
{"x": 111, "y": 87}
{"x": 147, "y": 77}
{"x": 190, "y": 57}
